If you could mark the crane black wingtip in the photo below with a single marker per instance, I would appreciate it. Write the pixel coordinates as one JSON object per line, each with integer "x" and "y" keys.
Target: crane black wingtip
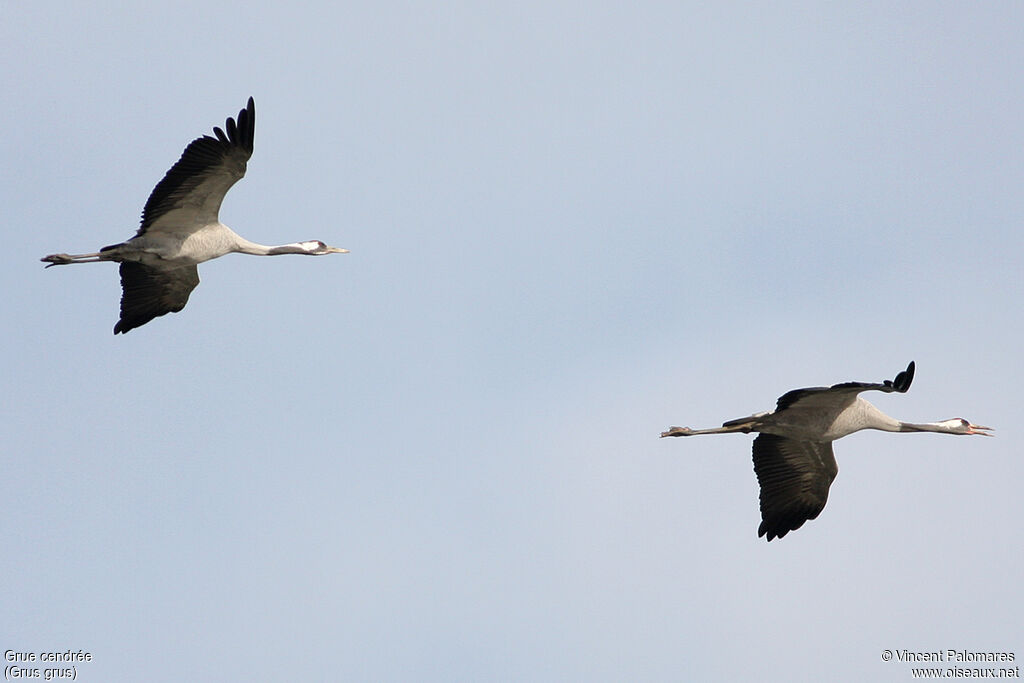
{"x": 903, "y": 379}
{"x": 772, "y": 534}
{"x": 247, "y": 125}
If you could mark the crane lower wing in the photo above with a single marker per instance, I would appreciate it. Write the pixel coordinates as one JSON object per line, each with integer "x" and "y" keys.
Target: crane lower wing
{"x": 794, "y": 477}
{"x": 149, "y": 292}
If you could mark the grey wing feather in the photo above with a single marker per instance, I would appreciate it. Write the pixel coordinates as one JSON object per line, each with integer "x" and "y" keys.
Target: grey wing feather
{"x": 900, "y": 384}
{"x": 207, "y": 169}
{"x": 794, "y": 477}
{"x": 149, "y": 292}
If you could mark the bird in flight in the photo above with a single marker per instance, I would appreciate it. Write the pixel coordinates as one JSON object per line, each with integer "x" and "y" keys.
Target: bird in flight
{"x": 180, "y": 227}
{"x": 793, "y": 456}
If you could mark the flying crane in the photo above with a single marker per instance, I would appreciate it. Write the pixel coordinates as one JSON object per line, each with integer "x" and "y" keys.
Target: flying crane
{"x": 180, "y": 227}
{"x": 793, "y": 457}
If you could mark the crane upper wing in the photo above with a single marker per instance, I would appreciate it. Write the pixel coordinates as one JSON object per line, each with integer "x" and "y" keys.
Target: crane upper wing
{"x": 807, "y": 397}
{"x": 794, "y": 477}
{"x": 191, "y": 192}
{"x": 149, "y": 292}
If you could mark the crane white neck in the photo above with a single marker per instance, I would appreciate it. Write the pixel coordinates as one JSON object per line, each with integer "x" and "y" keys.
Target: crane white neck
{"x": 947, "y": 427}
{"x": 863, "y": 415}
{"x": 244, "y": 246}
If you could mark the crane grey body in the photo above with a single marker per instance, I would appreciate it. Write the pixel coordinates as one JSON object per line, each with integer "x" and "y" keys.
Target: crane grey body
{"x": 181, "y": 229}
{"x": 793, "y": 457}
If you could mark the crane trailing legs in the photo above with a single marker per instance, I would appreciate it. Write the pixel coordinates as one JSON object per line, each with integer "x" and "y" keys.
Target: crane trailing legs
{"x": 793, "y": 457}
{"x": 65, "y": 259}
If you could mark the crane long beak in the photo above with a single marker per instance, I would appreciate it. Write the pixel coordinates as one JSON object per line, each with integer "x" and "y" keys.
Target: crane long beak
{"x": 336, "y": 250}
{"x": 978, "y": 429}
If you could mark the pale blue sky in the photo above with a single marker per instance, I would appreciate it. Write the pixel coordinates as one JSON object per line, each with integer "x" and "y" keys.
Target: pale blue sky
{"x": 572, "y": 225}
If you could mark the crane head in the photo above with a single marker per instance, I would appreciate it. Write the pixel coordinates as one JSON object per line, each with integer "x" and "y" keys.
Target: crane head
{"x": 959, "y": 425}
{"x": 318, "y": 248}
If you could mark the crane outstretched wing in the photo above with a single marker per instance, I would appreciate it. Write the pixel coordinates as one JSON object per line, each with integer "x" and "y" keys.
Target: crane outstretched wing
{"x": 190, "y": 193}
{"x": 149, "y": 292}
{"x": 814, "y": 394}
{"x": 794, "y": 477}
